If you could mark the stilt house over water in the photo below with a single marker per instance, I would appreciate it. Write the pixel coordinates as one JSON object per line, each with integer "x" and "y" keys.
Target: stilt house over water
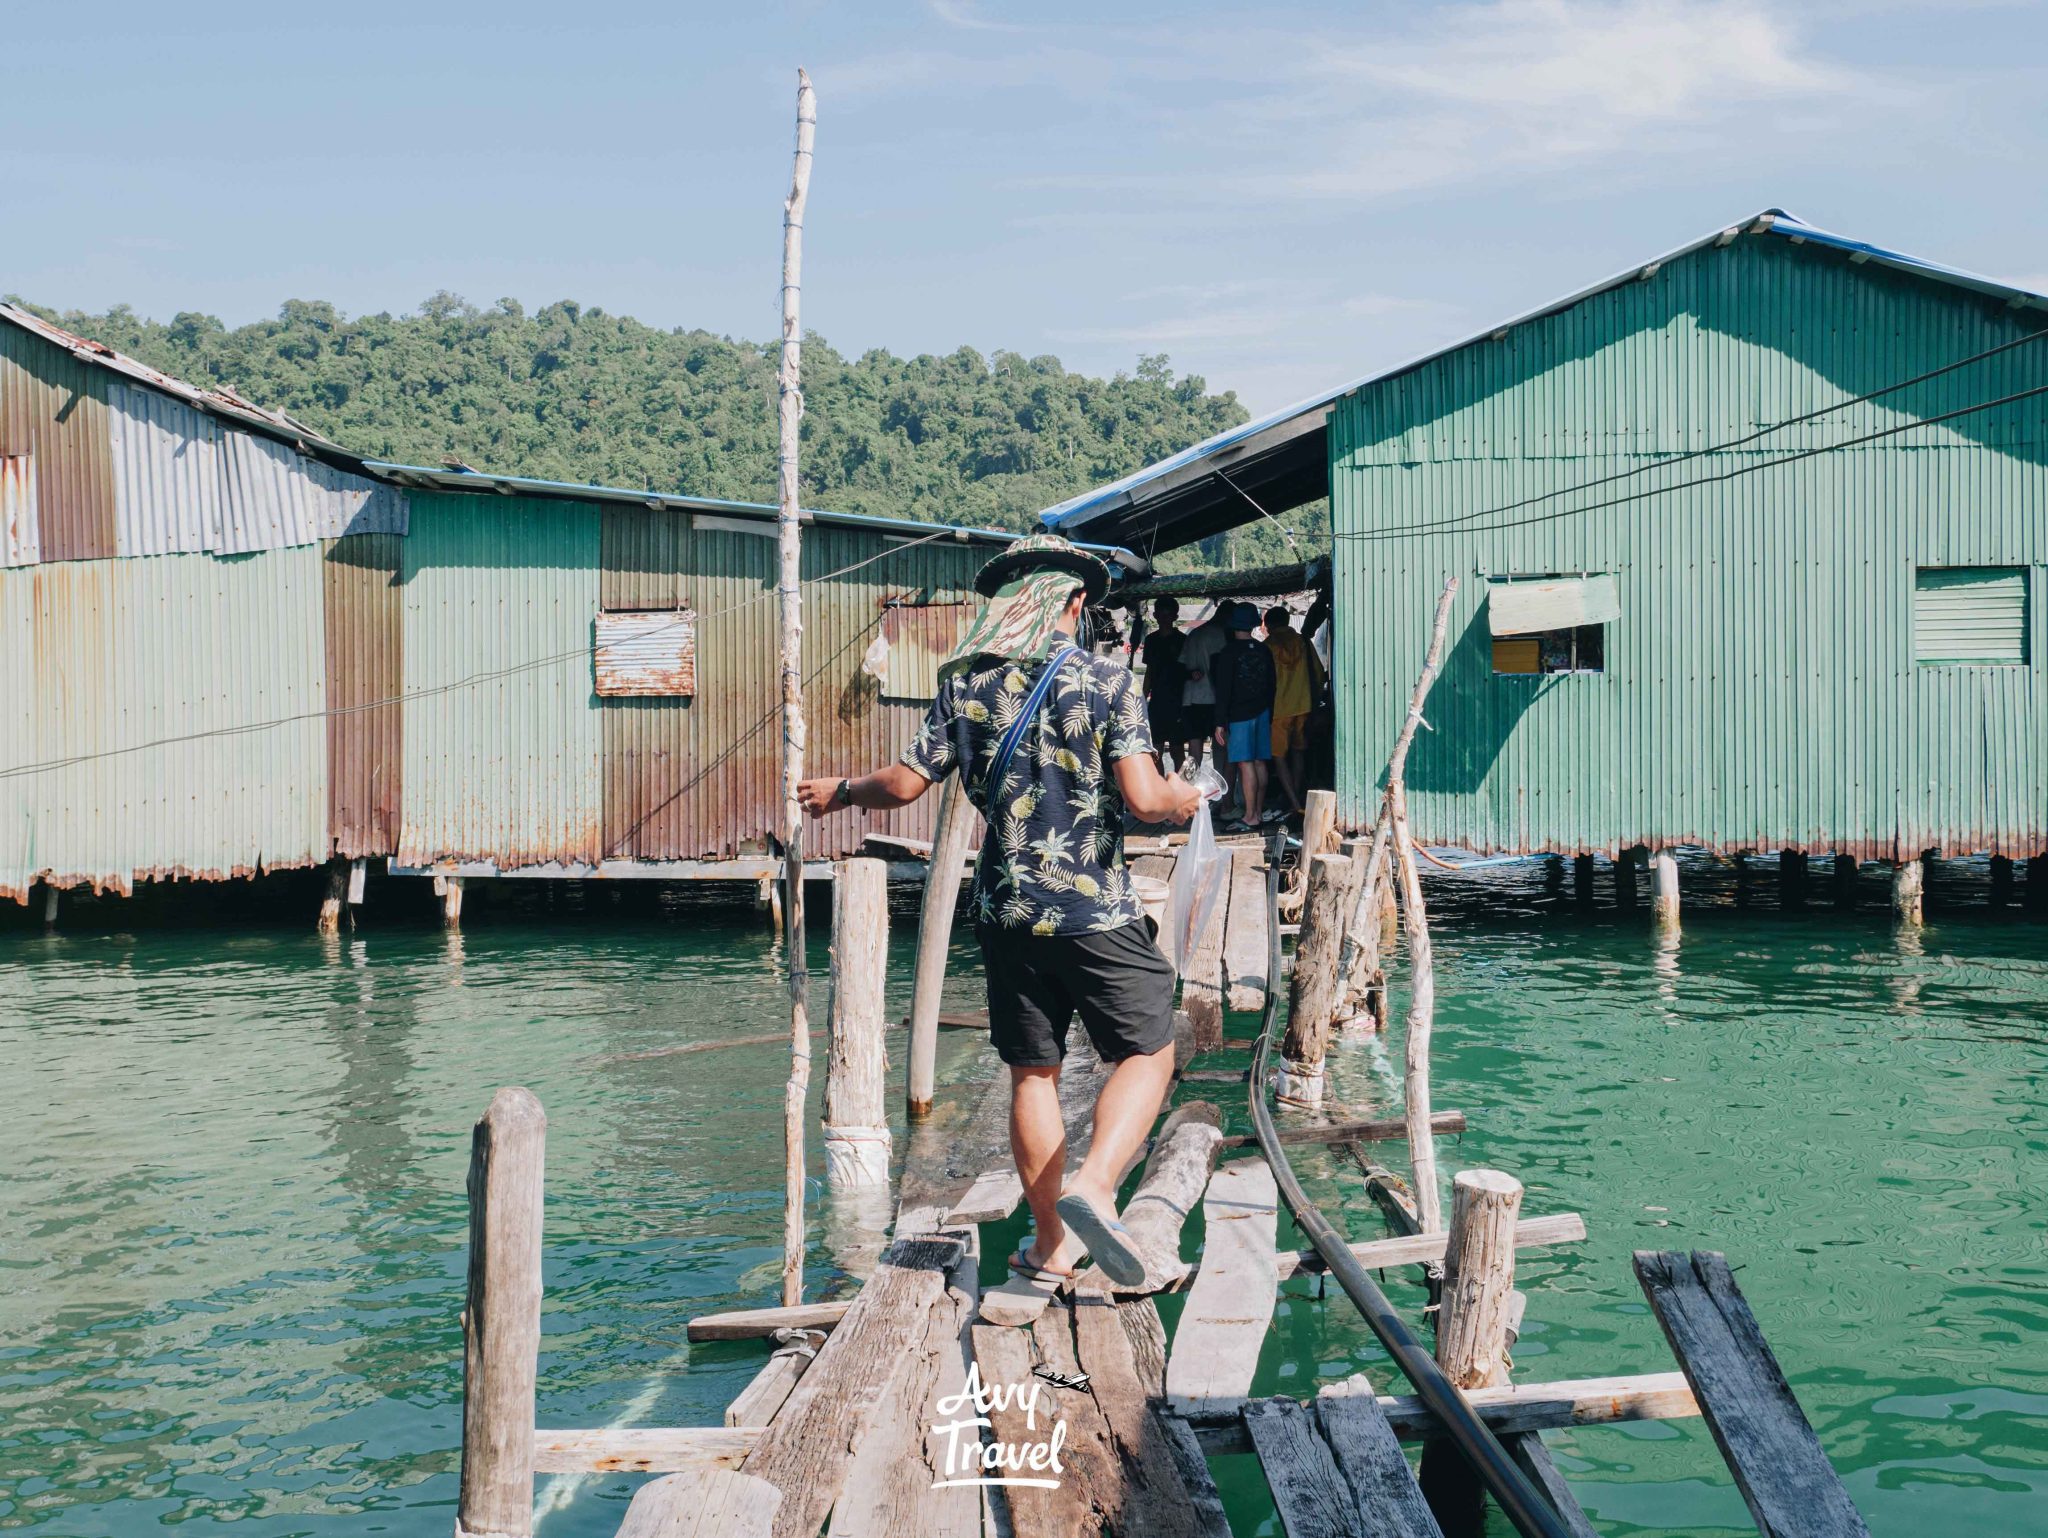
{"x": 227, "y": 645}
{"x": 1752, "y": 538}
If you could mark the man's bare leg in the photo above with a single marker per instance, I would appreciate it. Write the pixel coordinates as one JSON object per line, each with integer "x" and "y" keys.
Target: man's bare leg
{"x": 1038, "y": 1142}
{"x": 1124, "y": 1113}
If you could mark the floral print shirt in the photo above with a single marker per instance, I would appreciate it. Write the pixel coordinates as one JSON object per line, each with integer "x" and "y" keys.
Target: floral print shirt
{"x": 1053, "y": 859}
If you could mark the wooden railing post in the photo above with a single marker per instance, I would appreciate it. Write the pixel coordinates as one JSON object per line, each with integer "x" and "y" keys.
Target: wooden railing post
{"x": 501, "y": 1323}
{"x": 856, "y": 1125}
{"x": 1312, "y": 994}
{"x": 934, "y": 936}
{"x": 1477, "y": 1319}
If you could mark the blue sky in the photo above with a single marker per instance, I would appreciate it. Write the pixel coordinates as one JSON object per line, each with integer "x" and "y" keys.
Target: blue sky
{"x": 1278, "y": 197}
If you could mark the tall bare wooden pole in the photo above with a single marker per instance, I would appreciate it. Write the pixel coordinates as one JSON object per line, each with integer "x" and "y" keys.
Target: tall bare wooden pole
{"x": 790, "y": 589}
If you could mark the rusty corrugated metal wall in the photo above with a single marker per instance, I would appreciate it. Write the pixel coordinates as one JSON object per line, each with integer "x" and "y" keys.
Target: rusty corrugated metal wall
{"x": 501, "y": 737}
{"x": 54, "y": 406}
{"x": 127, "y": 690}
{"x": 364, "y": 613}
{"x": 700, "y": 778}
{"x": 1760, "y": 688}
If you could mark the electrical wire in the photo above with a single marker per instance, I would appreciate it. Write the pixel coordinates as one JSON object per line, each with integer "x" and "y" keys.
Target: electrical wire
{"x": 492, "y": 675}
{"x": 1415, "y": 530}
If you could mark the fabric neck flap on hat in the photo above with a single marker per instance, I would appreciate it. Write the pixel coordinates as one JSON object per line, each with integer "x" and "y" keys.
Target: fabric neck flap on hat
{"x": 1020, "y": 624}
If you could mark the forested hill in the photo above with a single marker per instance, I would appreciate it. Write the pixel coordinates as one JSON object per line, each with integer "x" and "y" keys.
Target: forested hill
{"x": 576, "y": 394}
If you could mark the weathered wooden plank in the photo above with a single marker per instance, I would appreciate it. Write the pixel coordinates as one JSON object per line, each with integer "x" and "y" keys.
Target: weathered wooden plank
{"x": 1313, "y": 1498}
{"x": 1369, "y": 1456}
{"x": 1380, "y": 1131}
{"x": 1185, "y": 1450}
{"x": 1778, "y": 1462}
{"x": 642, "y": 1449}
{"x": 718, "y": 1504}
{"x": 1156, "y": 1499}
{"x": 1063, "y": 1505}
{"x": 807, "y": 1451}
{"x": 993, "y": 1197}
{"x": 756, "y": 1404}
{"x": 1216, "y": 1348}
{"x": 1654, "y": 1396}
{"x": 758, "y": 1323}
{"x": 891, "y": 1488}
{"x": 1528, "y": 1451}
{"x": 1201, "y": 992}
{"x": 1244, "y": 932}
{"x": 1417, "y": 1249}
{"x": 1175, "y": 1175}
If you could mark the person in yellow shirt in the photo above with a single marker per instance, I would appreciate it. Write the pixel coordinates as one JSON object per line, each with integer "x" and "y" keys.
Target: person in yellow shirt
{"x": 1297, "y": 682}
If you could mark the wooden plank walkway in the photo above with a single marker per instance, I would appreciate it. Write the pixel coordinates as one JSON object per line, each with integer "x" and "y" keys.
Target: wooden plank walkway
{"x": 1231, "y": 1302}
{"x": 1778, "y": 1462}
{"x": 1245, "y": 959}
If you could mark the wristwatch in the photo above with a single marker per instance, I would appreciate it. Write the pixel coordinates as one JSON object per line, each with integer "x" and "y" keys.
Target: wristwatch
{"x": 845, "y": 793}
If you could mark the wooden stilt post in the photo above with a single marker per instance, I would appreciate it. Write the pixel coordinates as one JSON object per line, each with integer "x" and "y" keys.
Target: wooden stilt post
{"x": 1664, "y": 888}
{"x": 1845, "y": 880}
{"x": 1742, "y": 881}
{"x": 1553, "y": 874}
{"x": 337, "y": 892}
{"x": 856, "y": 1123}
{"x": 1422, "y": 991}
{"x": 789, "y": 590}
{"x": 1476, "y": 1318}
{"x": 1312, "y": 992}
{"x": 1582, "y": 879}
{"x": 2001, "y": 881}
{"x": 2034, "y": 894}
{"x": 1318, "y": 836}
{"x": 1792, "y": 877}
{"x": 51, "y": 899}
{"x": 934, "y": 938}
{"x": 1626, "y": 864}
{"x": 451, "y": 902}
{"x": 501, "y": 1322}
{"x": 1909, "y": 890}
{"x": 358, "y": 880}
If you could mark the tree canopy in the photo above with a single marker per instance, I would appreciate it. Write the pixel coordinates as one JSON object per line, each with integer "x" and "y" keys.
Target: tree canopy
{"x": 572, "y": 393}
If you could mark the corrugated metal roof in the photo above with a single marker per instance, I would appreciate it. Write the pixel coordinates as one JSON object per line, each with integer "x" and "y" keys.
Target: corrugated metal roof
{"x": 277, "y": 497}
{"x": 1104, "y": 512}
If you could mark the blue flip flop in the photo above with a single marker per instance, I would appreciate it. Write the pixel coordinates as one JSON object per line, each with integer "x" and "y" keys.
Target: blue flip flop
{"x": 1108, "y": 1241}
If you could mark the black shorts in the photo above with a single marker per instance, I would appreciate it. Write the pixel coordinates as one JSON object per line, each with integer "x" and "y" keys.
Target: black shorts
{"x": 1165, "y": 717}
{"x": 1117, "y": 979}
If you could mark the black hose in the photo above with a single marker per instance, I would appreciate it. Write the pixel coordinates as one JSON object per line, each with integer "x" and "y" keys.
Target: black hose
{"x": 1497, "y": 1471}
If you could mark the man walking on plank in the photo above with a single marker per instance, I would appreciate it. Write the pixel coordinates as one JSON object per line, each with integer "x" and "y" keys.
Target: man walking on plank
{"x": 1053, "y": 747}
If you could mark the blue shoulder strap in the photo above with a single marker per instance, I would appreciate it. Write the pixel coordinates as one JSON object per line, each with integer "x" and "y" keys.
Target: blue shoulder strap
{"x": 1007, "y": 748}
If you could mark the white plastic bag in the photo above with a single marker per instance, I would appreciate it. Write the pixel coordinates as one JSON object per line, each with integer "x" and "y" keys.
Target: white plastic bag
{"x": 1198, "y": 876}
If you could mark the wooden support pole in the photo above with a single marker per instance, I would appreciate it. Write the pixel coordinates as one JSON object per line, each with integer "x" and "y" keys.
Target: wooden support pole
{"x": 1664, "y": 889}
{"x": 2001, "y": 881}
{"x": 337, "y": 892}
{"x": 501, "y": 1322}
{"x": 358, "y": 878}
{"x": 1479, "y": 1278}
{"x": 1318, "y": 836}
{"x": 856, "y": 1122}
{"x": 451, "y": 902}
{"x": 1473, "y": 1324}
{"x": 1909, "y": 892}
{"x": 1361, "y": 970}
{"x": 1626, "y": 864}
{"x": 790, "y": 601}
{"x": 1312, "y": 993}
{"x": 1553, "y": 874}
{"x": 2034, "y": 894}
{"x": 934, "y": 937}
{"x": 1845, "y": 880}
{"x": 1792, "y": 877}
{"x": 1582, "y": 879}
{"x": 51, "y": 899}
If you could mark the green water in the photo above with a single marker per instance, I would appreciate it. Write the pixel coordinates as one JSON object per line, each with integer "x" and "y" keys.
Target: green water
{"x": 232, "y": 1231}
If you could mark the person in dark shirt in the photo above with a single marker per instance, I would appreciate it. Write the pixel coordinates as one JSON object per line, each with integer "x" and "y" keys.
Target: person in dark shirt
{"x": 1052, "y": 746}
{"x": 1244, "y": 711}
{"x": 1165, "y": 678}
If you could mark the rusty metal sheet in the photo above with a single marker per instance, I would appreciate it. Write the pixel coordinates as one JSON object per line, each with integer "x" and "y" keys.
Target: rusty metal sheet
{"x": 20, "y": 533}
{"x": 276, "y": 497}
{"x": 647, "y": 652}
{"x": 54, "y": 406}
{"x": 921, "y": 636}
{"x": 361, "y": 598}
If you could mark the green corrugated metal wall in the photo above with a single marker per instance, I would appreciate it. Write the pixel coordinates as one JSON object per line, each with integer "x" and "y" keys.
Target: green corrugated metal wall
{"x": 1761, "y": 688}
{"x": 101, "y": 656}
{"x": 500, "y": 768}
